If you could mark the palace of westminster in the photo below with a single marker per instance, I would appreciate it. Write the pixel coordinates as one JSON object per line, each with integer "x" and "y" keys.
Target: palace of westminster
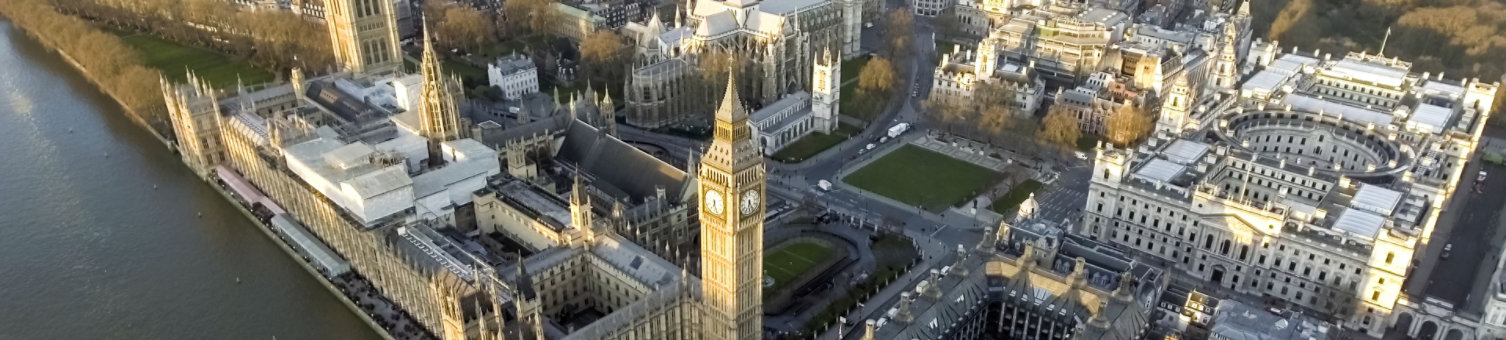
{"x": 1305, "y": 177}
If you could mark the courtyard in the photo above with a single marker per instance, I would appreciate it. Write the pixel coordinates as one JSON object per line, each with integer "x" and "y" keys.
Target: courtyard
{"x": 924, "y": 178}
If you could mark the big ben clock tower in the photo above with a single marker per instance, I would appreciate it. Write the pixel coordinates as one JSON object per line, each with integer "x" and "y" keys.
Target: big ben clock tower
{"x": 731, "y": 189}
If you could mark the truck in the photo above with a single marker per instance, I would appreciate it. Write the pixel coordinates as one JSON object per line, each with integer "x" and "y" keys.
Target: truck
{"x": 824, "y": 185}
{"x": 897, "y": 129}
{"x": 1494, "y": 157}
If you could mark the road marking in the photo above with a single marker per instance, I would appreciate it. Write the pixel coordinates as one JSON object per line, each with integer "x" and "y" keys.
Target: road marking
{"x": 943, "y": 227}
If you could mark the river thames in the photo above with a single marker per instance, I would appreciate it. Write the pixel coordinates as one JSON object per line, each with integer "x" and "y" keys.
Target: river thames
{"x": 100, "y": 233}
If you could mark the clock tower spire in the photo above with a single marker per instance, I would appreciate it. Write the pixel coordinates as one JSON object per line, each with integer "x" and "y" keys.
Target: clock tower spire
{"x": 731, "y": 188}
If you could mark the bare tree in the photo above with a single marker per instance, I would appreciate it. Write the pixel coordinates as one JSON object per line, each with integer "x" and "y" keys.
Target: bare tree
{"x": 465, "y": 27}
{"x": 1060, "y": 128}
{"x": 878, "y": 75}
{"x": 1127, "y": 124}
{"x": 899, "y": 35}
{"x": 529, "y": 16}
{"x": 995, "y": 105}
{"x": 603, "y": 55}
{"x": 875, "y": 85}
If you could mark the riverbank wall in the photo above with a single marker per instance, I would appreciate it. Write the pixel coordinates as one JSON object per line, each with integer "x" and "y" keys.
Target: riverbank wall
{"x": 131, "y": 112}
{"x": 287, "y": 249}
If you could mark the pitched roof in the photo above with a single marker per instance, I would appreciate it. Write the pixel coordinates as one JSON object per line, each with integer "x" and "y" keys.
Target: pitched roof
{"x": 731, "y": 109}
{"x": 615, "y": 163}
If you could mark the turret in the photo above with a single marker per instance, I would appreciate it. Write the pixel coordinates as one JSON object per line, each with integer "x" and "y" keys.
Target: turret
{"x": 608, "y": 112}
{"x": 580, "y": 210}
{"x": 986, "y": 63}
{"x": 295, "y": 77}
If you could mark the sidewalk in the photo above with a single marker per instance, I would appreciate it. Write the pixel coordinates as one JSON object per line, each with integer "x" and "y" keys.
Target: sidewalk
{"x": 880, "y": 302}
{"x": 965, "y": 153}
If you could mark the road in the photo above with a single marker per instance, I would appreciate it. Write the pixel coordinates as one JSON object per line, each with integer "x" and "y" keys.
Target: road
{"x": 1471, "y": 223}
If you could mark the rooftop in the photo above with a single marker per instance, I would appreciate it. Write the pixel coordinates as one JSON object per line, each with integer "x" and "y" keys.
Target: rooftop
{"x": 1369, "y": 72}
{"x": 512, "y": 63}
{"x": 1237, "y": 321}
{"x": 619, "y": 167}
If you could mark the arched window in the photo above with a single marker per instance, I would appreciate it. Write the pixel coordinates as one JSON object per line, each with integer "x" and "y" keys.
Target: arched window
{"x": 1389, "y": 257}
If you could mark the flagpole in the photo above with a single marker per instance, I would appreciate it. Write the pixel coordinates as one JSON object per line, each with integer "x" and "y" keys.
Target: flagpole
{"x": 1383, "y": 43}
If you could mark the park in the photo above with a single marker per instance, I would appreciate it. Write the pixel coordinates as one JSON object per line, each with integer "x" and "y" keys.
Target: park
{"x": 923, "y": 178}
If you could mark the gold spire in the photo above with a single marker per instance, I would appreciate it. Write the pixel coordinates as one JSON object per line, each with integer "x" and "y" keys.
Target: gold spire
{"x": 438, "y": 112}
{"x": 732, "y": 109}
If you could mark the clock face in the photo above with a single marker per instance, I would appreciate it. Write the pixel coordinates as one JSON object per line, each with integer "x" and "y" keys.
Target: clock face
{"x": 713, "y": 202}
{"x": 750, "y": 202}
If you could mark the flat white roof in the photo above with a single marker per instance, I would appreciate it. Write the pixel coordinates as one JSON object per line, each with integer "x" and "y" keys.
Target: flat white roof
{"x": 1292, "y": 63}
{"x": 1350, "y": 112}
{"x": 1266, "y": 81}
{"x": 1359, "y": 222}
{"x": 1370, "y": 72}
{"x": 381, "y": 181}
{"x": 1184, "y": 151}
{"x": 1160, "y": 170}
{"x": 349, "y": 156}
{"x": 1432, "y": 116}
{"x": 1011, "y": 68}
{"x": 1375, "y": 199}
{"x": 1444, "y": 88}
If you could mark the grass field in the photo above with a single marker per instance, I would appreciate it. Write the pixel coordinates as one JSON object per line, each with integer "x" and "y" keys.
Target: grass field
{"x": 790, "y": 262}
{"x": 1010, "y": 201}
{"x": 814, "y": 143}
{"x": 471, "y": 75}
{"x": 175, "y": 59}
{"x": 848, "y": 108}
{"x": 852, "y": 68}
{"x": 923, "y": 177}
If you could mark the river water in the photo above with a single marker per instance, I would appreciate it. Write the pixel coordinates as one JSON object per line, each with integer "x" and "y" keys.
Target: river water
{"x": 100, "y": 236}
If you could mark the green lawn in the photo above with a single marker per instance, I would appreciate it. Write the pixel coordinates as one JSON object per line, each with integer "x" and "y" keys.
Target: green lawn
{"x": 1010, "y": 201}
{"x": 790, "y": 262}
{"x": 470, "y": 74}
{"x": 848, "y": 108}
{"x": 175, "y": 59}
{"x": 852, "y": 68}
{"x": 922, "y": 177}
{"x": 814, "y": 143}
